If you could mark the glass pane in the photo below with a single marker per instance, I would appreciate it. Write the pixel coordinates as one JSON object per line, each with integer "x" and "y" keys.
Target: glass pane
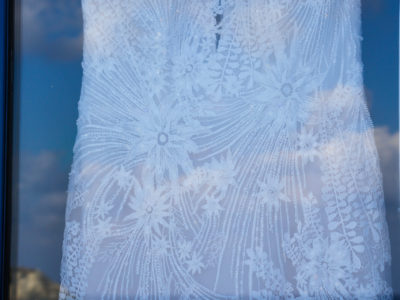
{"x": 49, "y": 87}
{"x": 48, "y": 90}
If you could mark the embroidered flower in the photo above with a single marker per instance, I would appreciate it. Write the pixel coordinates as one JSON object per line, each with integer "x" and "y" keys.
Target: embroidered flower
{"x": 261, "y": 265}
{"x": 161, "y": 246}
{"x": 258, "y": 261}
{"x": 271, "y": 192}
{"x": 165, "y": 141}
{"x": 195, "y": 264}
{"x": 184, "y": 249}
{"x": 307, "y": 145}
{"x": 287, "y": 90}
{"x": 212, "y": 206}
{"x": 326, "y": 267}
{"x": 150, "y": 209}
{"x": 188, "y": 69}
{"x": 123, "y": 178}
{"x": 222, "y": 173}
{"x": 103, "y": 209}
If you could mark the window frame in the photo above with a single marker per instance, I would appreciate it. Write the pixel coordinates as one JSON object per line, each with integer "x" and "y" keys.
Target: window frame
{"x": 6, "y": 96}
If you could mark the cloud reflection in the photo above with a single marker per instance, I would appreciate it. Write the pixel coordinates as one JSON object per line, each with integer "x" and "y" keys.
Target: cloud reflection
{"x": 52, "y": 28}
{"x": 388, "y": 149}
{"x": 42, "y": 197}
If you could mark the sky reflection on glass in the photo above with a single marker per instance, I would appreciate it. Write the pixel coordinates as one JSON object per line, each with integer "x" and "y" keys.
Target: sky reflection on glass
{"x": 50, "y": 88}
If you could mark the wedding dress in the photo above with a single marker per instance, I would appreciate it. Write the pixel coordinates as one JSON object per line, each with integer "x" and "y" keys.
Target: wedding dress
{"x": 224, "y": 151}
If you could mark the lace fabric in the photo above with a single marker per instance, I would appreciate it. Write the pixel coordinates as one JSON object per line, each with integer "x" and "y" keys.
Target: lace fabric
{"x": 224, "y": 151}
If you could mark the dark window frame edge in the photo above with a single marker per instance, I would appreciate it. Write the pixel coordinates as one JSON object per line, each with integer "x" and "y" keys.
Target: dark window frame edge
{"x": 7, "y": 56}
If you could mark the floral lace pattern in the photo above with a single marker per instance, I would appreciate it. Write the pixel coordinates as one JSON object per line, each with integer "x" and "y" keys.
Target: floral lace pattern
{"x": 224, "y": 151}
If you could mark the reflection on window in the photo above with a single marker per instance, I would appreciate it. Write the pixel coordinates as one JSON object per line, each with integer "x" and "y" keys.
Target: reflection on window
{"x": 51, "y": 55}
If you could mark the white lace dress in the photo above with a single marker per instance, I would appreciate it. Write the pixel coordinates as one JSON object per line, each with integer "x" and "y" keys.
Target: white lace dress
{"x": 224, "y": 151}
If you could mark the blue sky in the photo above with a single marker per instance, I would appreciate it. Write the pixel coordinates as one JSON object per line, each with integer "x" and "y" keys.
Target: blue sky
{"x": 379, "y": 54}
{"x": 50, "y": 88}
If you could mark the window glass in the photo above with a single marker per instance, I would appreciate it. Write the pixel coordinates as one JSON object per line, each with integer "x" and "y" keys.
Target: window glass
{"x": 48, "y": 89}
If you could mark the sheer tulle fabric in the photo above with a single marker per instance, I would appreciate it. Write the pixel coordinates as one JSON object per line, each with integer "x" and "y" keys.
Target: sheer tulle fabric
{"x": 224, "y": 151}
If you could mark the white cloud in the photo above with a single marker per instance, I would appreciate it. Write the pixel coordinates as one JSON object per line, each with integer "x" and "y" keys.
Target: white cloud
{"x": 40, "y": 172}
{"x": 42, "y": 195}
{"x": 52, "y": 28}
{"x": 388, "y": 148}
{"x": 41, "y": 209}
